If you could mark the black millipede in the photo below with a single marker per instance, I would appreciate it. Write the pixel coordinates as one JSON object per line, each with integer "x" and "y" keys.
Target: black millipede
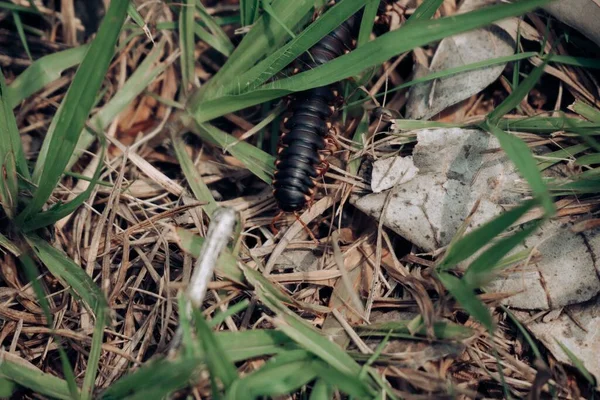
{"x": 300, "y": 156}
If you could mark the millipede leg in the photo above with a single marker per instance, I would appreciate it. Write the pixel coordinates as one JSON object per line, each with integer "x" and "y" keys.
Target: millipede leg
{"x": 276, "y": 218}
{"x": 312, "y": 236}
{"x": 322, "y": 168}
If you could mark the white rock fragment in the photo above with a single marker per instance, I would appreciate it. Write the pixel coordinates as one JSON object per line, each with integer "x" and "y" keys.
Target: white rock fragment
{"x": 388, "y": 172}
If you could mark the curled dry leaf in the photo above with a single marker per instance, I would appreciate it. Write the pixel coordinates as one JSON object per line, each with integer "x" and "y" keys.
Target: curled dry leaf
{"x": 577, "y": 328}
{"x": 428, "y": 99}
{"x": 582, "y": 15}
{"x": 458, "y": 168}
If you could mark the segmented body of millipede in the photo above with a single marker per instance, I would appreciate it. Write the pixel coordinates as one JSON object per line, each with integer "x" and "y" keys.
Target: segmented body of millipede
{"x": 300, "y": 158}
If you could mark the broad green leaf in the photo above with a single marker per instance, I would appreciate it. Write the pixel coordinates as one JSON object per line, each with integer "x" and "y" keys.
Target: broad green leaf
{"x": 192, "y": 175}
{"x": 520, "y": 154}
{"x": 465, "y": 296}
{"x": 75, "y": 108}
{"x": 480, "y": 269}
{"x": 480, "y": 237}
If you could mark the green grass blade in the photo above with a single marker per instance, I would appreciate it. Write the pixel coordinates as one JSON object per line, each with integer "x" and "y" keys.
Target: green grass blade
{"x": 321, "y": 390}
{"x": 16, "y": 7}
{"x": 59, "y": 211}
{"x": 586, "y": 111}
{"x": 582, "y": 62}
{"x": 243, "y": 345}
{"x": 18, "y": 370}
{"x": 249, "y": 11}
{"x": 75, "y": 108}
{"x": 220, "y": 39}
{"x": 9, "y": 138}
{"x": 211, "y": 40}
{"x": 69, "y": 273}
{"x": 199, "y": 188}
{"x": 266, "y": 6}
{"x": 576, "y": 361}
{"x": 282, "y": 374}
{"x": 136, "y": 17}
{"x": 520, "y": 154}
{"x": 187, "y": 43}
{"x": 549, "y": 159}
{"x": 265, "y": 37}
{"x": 463, "y": 293}
{"x": 371, "y": 54}
{"x": 480, "y": 269}
{"x": 273, "y": 64}
{"x": 154, "y": 380}
{"x": 257, "y": 161}
{"x": 480, "y": 237}
{"x": 216, "y": 358}
{"x": 82, "y": 285}
{"x": 42, "y": 72}
{"x": 588, "y": 159}
{"x": 226, "y": 263}
{"x": 517, "y": 95}
{"x": 21, "y": 32}
{"x": 9, "y": 131}
{"x": 32, "y": 274}
{"x": 142, "y": 77}
{"x": 94, "y": 358}
{"x": 367, "y": 22}
{"x": 547, "y": 125}
{"x": 425, "y": 11}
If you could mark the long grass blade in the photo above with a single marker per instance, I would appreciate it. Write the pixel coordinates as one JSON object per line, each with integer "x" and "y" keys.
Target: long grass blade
{"x": 520, "y": 154}
{"x": 465, "y": 296}
{"x": 187, "y": 43}
{"x": 199, "y": 188}
{"x": 9, "y": 137}
{"x": 371, "y": 54}
{"x": 478, "y": 238}
{"x": 74, "y": 110}
{"x": 42, "y": 72}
